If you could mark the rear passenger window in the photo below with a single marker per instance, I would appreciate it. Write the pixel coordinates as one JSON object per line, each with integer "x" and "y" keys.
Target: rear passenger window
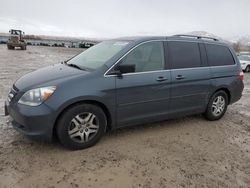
{"x": 219, "y": 55}
{"x": 184, "y": 55}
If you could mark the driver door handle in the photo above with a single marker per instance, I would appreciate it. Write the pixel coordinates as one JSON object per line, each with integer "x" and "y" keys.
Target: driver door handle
{"x": 161, "y": 79}
{"x": 180, "y": 77}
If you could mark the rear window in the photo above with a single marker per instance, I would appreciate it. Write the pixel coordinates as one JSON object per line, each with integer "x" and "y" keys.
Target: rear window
{"x": 219, "y": 55}
{"x": 184, "y": 54}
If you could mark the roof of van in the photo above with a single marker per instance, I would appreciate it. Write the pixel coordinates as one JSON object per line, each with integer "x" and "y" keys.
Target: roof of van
{"x": 191, "y": 38}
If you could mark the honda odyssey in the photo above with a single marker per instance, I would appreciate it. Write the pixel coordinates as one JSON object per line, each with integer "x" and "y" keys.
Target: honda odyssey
{"x": 123, "y": 82}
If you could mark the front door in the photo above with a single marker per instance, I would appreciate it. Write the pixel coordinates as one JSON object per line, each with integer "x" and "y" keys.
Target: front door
{"x": 144, "y": 94}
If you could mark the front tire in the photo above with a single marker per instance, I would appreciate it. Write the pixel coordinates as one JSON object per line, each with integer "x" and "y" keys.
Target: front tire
{"x": 217, "y": 106}
{"x": 81, "y": 126}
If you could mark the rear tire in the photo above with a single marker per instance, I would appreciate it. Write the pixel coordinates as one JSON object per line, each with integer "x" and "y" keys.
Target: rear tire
{"x": 81, "y": 126}
{"x": 217, "y": 106}
{"x": 247, "y": 68}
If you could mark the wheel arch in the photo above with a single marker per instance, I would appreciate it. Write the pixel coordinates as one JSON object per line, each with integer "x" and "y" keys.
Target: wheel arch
{"x": 94, "y": 102}
{"x": 226, "y": 90}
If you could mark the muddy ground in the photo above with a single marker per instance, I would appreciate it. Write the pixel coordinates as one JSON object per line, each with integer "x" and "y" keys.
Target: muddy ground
{"x": 186, "y": 152}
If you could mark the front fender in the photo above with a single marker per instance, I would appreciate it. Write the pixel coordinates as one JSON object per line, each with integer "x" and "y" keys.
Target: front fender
{"x": 98, "y": 90}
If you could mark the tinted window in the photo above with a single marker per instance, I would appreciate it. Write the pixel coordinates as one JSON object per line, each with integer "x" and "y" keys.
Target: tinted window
{"x": 146, "y": 57}
{"x": 219, "y": 55}
{"x": 184, "y": 54}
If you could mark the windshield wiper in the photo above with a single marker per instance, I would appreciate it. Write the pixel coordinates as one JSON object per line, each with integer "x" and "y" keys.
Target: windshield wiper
{"x": 64, "y": 62}
{"x": 74, "y": 65}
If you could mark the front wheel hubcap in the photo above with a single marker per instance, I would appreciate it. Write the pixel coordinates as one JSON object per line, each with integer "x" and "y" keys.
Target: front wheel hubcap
{"x": 218, "y": 105}
{"x": 83, "y": 127}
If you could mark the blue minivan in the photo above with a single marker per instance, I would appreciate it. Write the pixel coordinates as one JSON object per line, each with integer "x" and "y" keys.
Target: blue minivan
{"x": 123, "y": 82}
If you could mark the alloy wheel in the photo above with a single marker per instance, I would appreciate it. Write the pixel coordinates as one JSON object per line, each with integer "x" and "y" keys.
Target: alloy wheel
{"x": 218, "y": 105}
{"x": 83, "y": 127}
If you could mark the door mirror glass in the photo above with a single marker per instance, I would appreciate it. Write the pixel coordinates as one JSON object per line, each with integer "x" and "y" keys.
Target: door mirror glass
{"x": 125, "y": 68}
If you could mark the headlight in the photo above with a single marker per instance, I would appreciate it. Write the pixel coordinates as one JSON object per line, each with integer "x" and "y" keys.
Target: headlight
{"x": 35, "y": 97}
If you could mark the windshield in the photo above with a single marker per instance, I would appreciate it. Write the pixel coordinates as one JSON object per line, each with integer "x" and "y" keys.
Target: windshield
{"x": 96, "y": 56}
{"x": 244, "y": 57}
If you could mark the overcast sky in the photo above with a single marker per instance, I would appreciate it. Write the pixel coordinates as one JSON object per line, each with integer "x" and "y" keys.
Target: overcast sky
{"x": 115, "y": 18}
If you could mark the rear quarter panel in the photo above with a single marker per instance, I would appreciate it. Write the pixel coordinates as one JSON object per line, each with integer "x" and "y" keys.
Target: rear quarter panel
{"x": 227, "y": 77}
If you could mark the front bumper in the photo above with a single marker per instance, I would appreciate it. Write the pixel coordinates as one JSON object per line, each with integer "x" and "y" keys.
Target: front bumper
{"x": 35, "y": 122}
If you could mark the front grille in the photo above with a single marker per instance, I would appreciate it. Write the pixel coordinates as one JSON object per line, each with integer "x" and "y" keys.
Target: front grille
{"x": 12, "y": 93}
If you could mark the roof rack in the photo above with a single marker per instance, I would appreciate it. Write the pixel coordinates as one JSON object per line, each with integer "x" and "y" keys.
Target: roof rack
{"x": 197, "y": 37}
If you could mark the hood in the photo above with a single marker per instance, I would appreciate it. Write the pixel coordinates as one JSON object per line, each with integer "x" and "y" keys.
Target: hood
{"x": 242, "y": 61}
{"x": 45, "y": 75}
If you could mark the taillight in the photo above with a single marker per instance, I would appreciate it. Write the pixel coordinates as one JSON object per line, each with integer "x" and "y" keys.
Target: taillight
{"x": 241, "y": 76}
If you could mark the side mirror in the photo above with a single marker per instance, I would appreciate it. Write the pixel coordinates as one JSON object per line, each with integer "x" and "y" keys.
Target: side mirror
{"x": 122, "y": 69}
{"x": 125, "y": 68}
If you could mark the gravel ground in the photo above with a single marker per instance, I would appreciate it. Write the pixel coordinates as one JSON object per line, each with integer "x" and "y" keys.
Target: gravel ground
{"x": 185, "y": 152}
